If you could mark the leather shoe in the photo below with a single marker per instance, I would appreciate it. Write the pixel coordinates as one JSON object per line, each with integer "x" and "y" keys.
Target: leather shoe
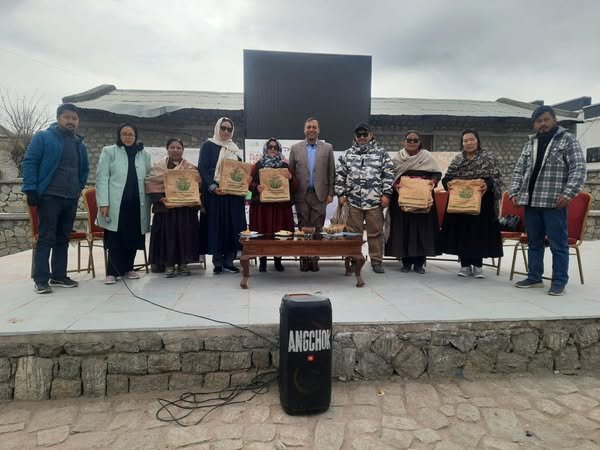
{"x": 314, "y": 265}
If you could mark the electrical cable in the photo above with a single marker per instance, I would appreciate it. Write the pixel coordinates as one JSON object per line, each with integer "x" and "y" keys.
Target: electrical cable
{"x": 177, "y": 411}
{"x": 185, "y": 313}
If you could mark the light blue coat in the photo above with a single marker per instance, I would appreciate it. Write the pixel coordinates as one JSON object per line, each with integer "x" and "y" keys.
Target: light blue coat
{"x": 111, "y": 175}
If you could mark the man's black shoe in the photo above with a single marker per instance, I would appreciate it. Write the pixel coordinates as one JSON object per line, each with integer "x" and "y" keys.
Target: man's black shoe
{"x": 42, "y": 288}
{"x": 231, "y": 269}
{"x": 218, "y": 269}
{"x": 65, "y": 282}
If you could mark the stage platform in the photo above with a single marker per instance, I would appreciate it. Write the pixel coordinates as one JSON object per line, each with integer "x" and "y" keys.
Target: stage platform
{"x": 392, "y": 298}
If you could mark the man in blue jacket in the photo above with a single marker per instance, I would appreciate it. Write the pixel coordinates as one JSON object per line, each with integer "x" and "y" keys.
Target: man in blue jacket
{"x": 55, "y": 170}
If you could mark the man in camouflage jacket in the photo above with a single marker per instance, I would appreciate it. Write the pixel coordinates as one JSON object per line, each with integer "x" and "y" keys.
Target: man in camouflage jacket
{"x": 364, "y": 180}
{"x": 549, "y": 173}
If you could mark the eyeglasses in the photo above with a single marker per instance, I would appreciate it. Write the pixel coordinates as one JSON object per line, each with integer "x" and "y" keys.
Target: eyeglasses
{"x": 412, "y": 141}
{"x": 362, "y": 134}
{"x": 227, "y": 129}
{"x": 272, "y": 147}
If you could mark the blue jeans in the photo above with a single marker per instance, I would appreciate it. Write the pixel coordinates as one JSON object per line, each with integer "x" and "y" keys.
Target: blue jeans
{"x": 551, "y": 223}
{"x": 56, "y": 216}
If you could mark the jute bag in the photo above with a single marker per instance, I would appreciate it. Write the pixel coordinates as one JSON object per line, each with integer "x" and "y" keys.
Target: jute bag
{"x": 465, "y": 197}
{"x": 181, "y": 188}
{"x": 235, "y": 176}
{"x": 276, "y": 185}
{"x": 415, "y": 195}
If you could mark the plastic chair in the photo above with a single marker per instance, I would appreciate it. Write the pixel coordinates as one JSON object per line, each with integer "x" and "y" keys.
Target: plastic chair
{"x": 74, "y": 236}
{"x": 577, "y": 214}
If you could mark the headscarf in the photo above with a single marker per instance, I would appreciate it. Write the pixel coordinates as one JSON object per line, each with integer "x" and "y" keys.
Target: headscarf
{"x": 482, "y": 165}
{"x": 135, "y": 130}
{"x": 228, "y": 148}
{"x": 272, "y": 161}
{"x": 422, "y": 160}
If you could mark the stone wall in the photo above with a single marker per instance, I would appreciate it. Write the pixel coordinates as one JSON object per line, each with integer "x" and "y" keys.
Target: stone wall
{"x": 54, "y": 366}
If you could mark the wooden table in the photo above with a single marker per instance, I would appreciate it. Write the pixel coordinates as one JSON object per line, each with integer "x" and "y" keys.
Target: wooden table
{"x": 349, "y": 247}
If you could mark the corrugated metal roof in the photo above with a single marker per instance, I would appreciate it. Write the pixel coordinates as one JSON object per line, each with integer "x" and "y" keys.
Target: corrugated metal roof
{"x": 141, "y": 103}
{"x": 147, "y": 103}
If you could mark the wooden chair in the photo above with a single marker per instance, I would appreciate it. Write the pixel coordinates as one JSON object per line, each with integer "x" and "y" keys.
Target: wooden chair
{"x": 75, "y": 236}
{"x": 577, "y": 214}
{"x": 96, "y": 233}
{"x": 507, "y": 208}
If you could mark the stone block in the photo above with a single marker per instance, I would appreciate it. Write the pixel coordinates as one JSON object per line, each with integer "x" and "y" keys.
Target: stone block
{"x": 444, "y": 360}
{"x": 5, "y": 369}
{"x": 50, "y": 351}
{"x": 586, "y": 335}
{"x": 410, "y": 361}
{"x": 362, "y": 341}
{"x": 202, "y": 362}
{"x": 567, "y": 361}
{"x": 556, "y": 339}
{"x": 525, "y": 343}
{"x": 275, "y": 358}
{"x": 87, "y": 348}
{"x": 242, "y": 378}
{"x": 187, "y": 345}
{"x": 235, "y": 360}
{"x": 224, "y": 343}
{"x": 387, "y": 346}
{"x": 216, "y": 380}
{"x": 590, "y": 357}
{"x": 344, "y": 340}
{"x": 185, "y": 381}
{"x": 69, "y": 367}
{"x": 150, "y": 344}
{"x": 255, "y": 342}
{"x": 16, "y": 350}
{"x": 128, "y": 363}
{"x": 6, "y": 391}
{"x": 511, "y": 362}
{"x": 461, "y": 340}
{"x": 343, "y": 362}
{"x": 369, "y": 365}
{"x": 117, "y": 384}
{"x": 163, "y": 362}
{"x": 93, "y": 376}
{"x": 33, "y": 378}
{"x": 126, "y": 347}
{"x": 329, "y": 435}
{"x": 492, "y": 344}
{"x": 542, "y": 361}
{"x": 261, "y": 359}
{"x": 65, "y": 388}
{"x": 149, "y": 383}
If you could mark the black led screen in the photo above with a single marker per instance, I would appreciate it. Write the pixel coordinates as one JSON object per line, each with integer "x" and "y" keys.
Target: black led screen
{"x": 282, "y": 89}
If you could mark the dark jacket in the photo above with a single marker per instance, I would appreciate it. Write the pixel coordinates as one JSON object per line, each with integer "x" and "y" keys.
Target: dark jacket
{"x": 43, "y": 156}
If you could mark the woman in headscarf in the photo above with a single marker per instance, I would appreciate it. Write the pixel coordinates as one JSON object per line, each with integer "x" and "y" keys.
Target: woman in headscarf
{"x": 175, "y": 230}
{"x": 124, "y": 211}
{"x": 413, "y": 236}
{"x": 270, "y": 217}
{"x": 474, "y": 237}
{"x": 225, "y": 214}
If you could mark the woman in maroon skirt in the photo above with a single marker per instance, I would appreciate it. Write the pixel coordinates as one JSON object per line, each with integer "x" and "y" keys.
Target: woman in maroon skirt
{"x": 175, "y": 235}
{"x": 269, "y": 218}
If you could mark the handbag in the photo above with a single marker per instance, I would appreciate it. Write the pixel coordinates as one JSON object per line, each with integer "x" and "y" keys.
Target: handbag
{"x": 509, "y": 223}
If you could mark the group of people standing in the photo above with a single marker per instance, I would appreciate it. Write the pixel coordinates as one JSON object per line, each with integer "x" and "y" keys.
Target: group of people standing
{"x": 367, "y": 181}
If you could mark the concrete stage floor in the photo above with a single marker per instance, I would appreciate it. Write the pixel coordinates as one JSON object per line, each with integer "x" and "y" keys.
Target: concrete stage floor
{"x": 394, "y": 297}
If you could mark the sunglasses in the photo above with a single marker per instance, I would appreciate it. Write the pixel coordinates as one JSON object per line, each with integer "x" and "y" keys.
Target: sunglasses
{"x": 362, "y": 134}
{"x": 272, "y": 147}
{"x": 227, "y": 129}
{"x": 412, "y": 141}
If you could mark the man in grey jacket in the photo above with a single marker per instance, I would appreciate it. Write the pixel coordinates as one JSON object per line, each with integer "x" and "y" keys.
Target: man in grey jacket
{"x": 549, "y": 173}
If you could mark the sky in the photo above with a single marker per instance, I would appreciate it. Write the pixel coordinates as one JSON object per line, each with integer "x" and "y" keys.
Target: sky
{"x": 483, "y": 50}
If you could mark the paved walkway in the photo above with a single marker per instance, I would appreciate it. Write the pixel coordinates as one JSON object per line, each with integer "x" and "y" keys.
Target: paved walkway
{"x": 492, "y": 412}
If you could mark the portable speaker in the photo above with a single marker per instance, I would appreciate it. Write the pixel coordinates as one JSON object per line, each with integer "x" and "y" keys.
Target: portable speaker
{"x": 305, "y": 337}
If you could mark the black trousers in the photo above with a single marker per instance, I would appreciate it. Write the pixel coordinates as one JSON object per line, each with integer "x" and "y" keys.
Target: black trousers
{"x": 466, "y": 262}
{"x": 120, "y": 261}
{"x": 56, "y": 216}
{"x": 417, "y": 261}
